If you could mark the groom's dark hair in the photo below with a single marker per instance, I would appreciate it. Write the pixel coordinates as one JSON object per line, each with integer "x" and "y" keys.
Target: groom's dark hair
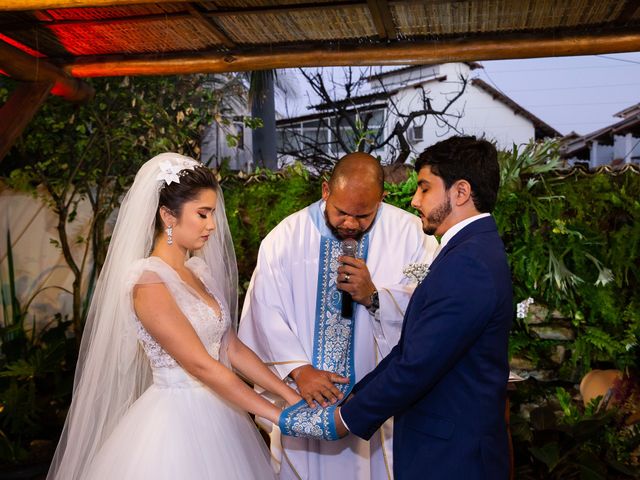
{"x": 466, "y": 158}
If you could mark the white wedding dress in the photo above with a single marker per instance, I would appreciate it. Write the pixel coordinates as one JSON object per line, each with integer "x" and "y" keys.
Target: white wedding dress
{"x": 179, "y": 428}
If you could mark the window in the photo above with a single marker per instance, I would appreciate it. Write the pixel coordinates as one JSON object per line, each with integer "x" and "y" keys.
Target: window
{"x": 329, "y": 134}
{"x": 239, "y": 132}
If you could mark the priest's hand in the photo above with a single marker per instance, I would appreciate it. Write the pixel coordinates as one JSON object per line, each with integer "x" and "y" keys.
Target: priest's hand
{"x": 317, "y": 385}
{"x": 355, "y": 279}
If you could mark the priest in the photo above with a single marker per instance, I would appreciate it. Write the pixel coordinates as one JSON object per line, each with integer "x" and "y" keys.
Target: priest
{"x": 325, "y": 305}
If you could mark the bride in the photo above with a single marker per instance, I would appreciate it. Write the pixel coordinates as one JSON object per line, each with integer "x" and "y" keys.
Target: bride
{"x": 155, "y": 396}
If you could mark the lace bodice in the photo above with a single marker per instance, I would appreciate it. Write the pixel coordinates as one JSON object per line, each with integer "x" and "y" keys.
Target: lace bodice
{"x": 209, "y": 326}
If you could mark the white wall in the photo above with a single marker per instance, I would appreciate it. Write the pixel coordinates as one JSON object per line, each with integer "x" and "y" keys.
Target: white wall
{"x": 482, "y": 115}
{"x": 38, "y": 263}
{"x": 600, "y": 155}
{"x": 626, "y": 148}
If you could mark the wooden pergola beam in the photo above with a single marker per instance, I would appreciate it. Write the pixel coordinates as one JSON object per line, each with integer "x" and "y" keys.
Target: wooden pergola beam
{"x": 211, "y": 25}
{"x": 382, "y": 19}
{"x": 22, "y": 66}
{"x": 391, "y": 54}
{"x": 18, "y": 110}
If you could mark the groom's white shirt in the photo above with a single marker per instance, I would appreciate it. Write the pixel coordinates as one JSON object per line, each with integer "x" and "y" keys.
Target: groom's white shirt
{"x": 278, "y": 322}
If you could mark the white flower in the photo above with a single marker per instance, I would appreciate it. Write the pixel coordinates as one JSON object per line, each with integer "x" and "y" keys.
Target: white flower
{"x": 522, "y": 309}
{"x": 170, "y": 170}
{"x": 416, "y": 271}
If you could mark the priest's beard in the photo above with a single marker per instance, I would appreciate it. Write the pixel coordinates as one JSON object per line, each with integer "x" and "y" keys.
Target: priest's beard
{"x": 434, "y": 219}
{"x": 356, "y": 236}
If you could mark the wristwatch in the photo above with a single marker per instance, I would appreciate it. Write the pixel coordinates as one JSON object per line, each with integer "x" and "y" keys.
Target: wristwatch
{"x": 375, "y": 303}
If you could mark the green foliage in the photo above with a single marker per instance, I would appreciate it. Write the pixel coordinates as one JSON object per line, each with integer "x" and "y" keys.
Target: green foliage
{"x": 36, "y": 375}
{"x": 255, "y": 205}
{"x": 400, "y": 194}
{"x": 573, "y": 246}
{"x": 72, "y": 153}
{"x": 566, "y": 440}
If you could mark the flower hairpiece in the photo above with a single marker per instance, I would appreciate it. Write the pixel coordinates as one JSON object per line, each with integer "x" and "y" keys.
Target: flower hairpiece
{"x": 171, "y": 170}
{"x": 416, "y": 271}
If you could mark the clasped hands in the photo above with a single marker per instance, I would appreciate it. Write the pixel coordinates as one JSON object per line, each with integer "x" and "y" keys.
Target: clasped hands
{"x": 318, "y": 387}
{"x": 319, "y": 391}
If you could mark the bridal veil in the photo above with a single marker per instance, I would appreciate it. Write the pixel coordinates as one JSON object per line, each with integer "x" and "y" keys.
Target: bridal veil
{"x": 112, "y": 371}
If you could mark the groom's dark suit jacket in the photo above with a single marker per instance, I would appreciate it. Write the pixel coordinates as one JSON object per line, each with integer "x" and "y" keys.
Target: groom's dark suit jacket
{"x": 445, "y": 382}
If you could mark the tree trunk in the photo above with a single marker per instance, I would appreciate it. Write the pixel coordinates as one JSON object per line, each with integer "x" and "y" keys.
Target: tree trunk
{"x": 262, "y": 101}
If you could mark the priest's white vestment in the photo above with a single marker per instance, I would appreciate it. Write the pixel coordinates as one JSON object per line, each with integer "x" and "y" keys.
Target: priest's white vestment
{"x": 279, "y": 323}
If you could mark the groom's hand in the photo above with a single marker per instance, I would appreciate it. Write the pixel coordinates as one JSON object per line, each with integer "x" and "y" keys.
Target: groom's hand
{"x": 355, "y": 279}
{"x": 317, "y": 385}
{"x": 341, "y": 429}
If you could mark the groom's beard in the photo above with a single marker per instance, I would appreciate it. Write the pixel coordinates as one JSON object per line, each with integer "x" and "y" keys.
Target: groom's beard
{"x": 431, "y": 222}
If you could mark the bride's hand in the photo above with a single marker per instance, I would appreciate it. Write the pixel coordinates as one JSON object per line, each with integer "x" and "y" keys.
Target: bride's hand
{"x": 292, "y": 397}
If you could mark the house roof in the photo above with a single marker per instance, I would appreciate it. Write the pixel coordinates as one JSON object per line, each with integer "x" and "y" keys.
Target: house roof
{"x": 408, "y": 68}
{"x": 55, "y": 39}
{"x": 629, "y": 111}
{"x": 376, "y": 95}
{"x": 355, "y": 100}
{"x": 629, "y": 124}
{"x": 542, "y": 129}
{"x": 324, "y": 113}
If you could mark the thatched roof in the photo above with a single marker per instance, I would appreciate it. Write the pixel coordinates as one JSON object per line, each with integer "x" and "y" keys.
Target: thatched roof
{"x": 47, "y": 44}
{"x": 115, "y": 37}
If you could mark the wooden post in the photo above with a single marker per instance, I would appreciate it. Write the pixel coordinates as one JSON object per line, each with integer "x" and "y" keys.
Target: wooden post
{"x": 18, "y": 111}
{"x": 22, "y": 66}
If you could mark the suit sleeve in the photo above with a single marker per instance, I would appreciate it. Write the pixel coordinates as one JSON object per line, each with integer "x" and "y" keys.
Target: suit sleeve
{"x": 460, "y": 301}
{"x": 265, "y": 326}
{"x": 395, "y": 295}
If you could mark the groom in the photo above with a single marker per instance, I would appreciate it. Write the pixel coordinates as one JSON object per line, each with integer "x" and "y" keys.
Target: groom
{"x": 445, "y": 382}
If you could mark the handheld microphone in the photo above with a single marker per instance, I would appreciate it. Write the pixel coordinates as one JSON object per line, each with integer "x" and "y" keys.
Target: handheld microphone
{"x": 349, "y": 249}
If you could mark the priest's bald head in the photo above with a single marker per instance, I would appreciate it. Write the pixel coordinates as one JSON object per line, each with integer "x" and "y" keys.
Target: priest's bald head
{"x": 353, "y": 195}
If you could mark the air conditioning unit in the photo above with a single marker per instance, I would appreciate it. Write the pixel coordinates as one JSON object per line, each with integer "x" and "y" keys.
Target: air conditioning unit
{"x": 415, "y": 134}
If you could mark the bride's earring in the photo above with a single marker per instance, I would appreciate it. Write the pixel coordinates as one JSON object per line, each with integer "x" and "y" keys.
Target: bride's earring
{"x": 169, "y": 231}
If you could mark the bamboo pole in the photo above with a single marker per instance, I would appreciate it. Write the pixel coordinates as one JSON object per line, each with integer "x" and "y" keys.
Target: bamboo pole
{"x": 22, "y": 66}
{"x": 392, "y": 54}
{"x": 17, "y": 5}
{"x": 13, "y": 5}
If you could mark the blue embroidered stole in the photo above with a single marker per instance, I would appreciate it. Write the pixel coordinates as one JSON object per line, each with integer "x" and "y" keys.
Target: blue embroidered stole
{"x": 333, "y": 342}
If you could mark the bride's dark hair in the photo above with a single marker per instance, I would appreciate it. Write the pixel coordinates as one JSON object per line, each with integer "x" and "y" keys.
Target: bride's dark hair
{"x": 175, "y": 195}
